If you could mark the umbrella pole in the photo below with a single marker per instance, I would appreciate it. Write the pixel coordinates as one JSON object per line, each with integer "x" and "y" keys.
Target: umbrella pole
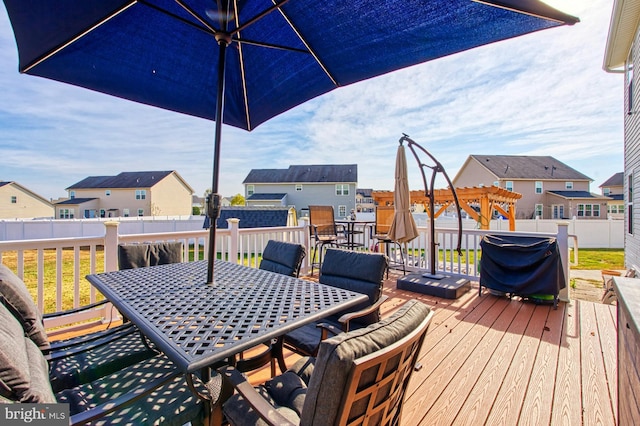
{"x": 213, "y": 205}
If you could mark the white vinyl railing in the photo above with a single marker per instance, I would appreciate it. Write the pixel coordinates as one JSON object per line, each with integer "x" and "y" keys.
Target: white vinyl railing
{"x": 52, "y": 267}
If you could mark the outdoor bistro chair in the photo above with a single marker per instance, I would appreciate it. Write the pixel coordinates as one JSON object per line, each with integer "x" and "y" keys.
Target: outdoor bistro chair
{"x": 147, "y": 392}
{"x": 283, "y": 258}
{"x": 361, "y": 272}
{"x": 384, "y": 218}
{"x": 359, "y": 377}
{"x": 149, "y": 254}
{"x": 324, "y": 231}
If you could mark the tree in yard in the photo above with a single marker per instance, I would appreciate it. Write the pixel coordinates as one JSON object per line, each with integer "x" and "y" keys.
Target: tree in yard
{"x": 237, "y": 200}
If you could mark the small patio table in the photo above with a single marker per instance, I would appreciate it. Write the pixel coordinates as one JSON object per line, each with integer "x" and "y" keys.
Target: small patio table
{"x": 198, "y": 324}
{"x": 350, "y": 225}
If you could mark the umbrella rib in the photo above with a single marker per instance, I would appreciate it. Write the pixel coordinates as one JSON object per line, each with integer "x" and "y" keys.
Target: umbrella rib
{"x": 75, "y": 38}
{"x": 243, "y": 74}
{"x": 564, "y": 19}
{"x": 313, "y": 53}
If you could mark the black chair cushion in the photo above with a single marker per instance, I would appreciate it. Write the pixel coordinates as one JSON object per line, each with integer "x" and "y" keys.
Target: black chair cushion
{"x": 24, "y": 375}
{"x": 15, "y": 292}
{"x": 282, "y": 258}
{"x": 149, "y": 254}
{"x": 356, "y": 271}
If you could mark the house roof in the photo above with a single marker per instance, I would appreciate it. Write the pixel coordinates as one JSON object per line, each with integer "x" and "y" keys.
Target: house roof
{"x": 622, "y": 29}
{"x": 528, "y": 167}
{"x": 328, "y": 173}
{"x": 578, "y": 194}
{"x": 616, "y": 197}
{"x": 126, "y": 180}
{"x": 365, "y": 192}
{"x": 76, "y": 201}
{"x": 254, "y": 217}
{"x": 616, "y": 180}
{"x": 27, "y": 190}
{"x": 267, "y": 196}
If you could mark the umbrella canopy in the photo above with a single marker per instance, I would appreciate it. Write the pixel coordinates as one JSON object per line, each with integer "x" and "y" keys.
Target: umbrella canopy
{"x": 403, "y": 228}
{"x": 242, "y": 62}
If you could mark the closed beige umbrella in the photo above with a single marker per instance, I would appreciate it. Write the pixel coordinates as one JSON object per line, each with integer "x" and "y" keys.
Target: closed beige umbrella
{"x": 403, "y": 228}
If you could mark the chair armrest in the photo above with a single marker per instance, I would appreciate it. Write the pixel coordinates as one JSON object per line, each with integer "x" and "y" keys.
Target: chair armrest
{"x": 262, "y": 407}
{"x": 346, "y": 318}
{"x": 326, "y": 329}
{"x": 74, "y": 310}
{"x": 123, "y": 400}
{"x": 64, "y": 349}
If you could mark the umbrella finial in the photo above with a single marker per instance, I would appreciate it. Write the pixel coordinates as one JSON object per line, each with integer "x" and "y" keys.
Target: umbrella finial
{"x": 405, "y": 137}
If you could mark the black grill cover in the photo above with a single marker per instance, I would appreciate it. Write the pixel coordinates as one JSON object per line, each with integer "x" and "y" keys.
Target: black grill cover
{"x": 525, "y": 266}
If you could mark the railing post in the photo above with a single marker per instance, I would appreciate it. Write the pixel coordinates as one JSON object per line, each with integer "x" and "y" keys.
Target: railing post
{"x": 306, "y": 242}
{"x": 234, "y": 228}
{"x": 563, "y": 246}
{"x": 111, "y": 246}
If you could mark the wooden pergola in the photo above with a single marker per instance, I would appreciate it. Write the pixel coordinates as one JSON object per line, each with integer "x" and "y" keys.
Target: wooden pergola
{"x": 487, "y": 198}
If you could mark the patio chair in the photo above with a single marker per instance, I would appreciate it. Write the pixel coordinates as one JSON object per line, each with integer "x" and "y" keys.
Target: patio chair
{"x": 283, "y": 258}
{"x": 149, "y": 254}
{"x": 148, "y": 392}
{"x": 361, "y": 272}
{"x": 359, "y": 377}
{"x": 384, "y": 218}
{"x": 324, "y": 232}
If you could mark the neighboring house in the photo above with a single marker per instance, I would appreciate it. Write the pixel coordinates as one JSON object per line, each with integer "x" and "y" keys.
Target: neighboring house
{"x": 18, "y": 202}
{"x": 364, "y": 200}
{"x": 155, "y": 193}
{"x": 198, "y": 202}
{"x": 550, "y": 189}
{"x": 622, "y": 53}
{"x": 614, "y": 189}
{"x": 257, "y": 217}
{"x": 303, "y": 185}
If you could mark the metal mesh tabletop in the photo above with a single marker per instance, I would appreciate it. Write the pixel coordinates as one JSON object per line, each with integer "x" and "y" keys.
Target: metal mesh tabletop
{"x": 197, "y": 324}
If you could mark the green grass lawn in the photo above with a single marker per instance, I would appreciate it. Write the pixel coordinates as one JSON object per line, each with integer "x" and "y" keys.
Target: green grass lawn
{"x": 597, "y": 259}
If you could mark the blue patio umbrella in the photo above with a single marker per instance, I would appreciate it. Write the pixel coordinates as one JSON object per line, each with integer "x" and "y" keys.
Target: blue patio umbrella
{"x": 243, "y": 62}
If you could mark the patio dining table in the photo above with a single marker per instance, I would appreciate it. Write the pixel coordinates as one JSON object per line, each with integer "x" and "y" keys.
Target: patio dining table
{"x": 198, "y": 325}
{"x": 351, "y": 231}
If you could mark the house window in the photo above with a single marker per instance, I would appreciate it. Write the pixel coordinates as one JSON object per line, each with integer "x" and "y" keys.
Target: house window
{"x": 250, "y": 190}
{"x": 558, "y": 211}
{"x": 102, "y": 213}
{"x": 14, "y": 199}
{"x": 606, "y": 191}
{"x": 538, "y": 212}
{"x": 125, "y": 212}
{"x": 508, "y": 185}
{"x": 615, "y": 208}
{"x": 107, "y": 192}
{"x": 140, "y": 212}
{"x": 67, "y": 213}
{"x": 588, "y": 210}
{"x": 342, "y": 211}
{"x": 496, "y": 183}
{"x": 568, "y": 185}
{"x": 141, "y": 194}
{"x": 342, "y": 189}
{"x": 298, "y": 187}
{"x": 72, "y": 194}
{"x": 538, "y": 187}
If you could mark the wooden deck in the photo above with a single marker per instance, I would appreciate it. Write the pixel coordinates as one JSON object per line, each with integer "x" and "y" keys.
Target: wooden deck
{"x": 489, "y": 360}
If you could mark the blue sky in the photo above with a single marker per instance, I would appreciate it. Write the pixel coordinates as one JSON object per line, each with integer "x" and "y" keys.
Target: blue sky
{"x": 540, "y": 94}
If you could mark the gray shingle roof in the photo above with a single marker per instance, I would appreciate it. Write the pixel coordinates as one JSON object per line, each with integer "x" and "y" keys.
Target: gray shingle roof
{"x": 528, "y": 167}
{"x": 254, "y": 217}
{"x": 266, "y": 196}
{"x": 305, "y": 173}
{"x": 615, "y": 180}
{"x": 123, "y": 180}
{"x": 576, "y": 194}
{"x": 75, "y": 201}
